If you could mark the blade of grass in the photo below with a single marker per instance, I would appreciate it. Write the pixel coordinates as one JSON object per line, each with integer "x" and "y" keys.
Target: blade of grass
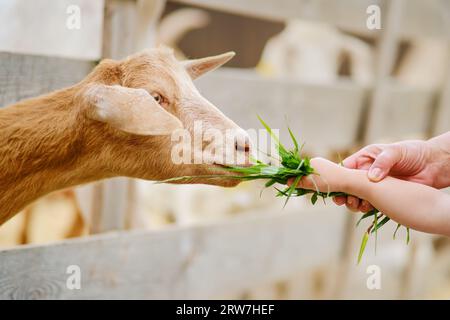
{"x": 270, "y": 183}
{"x": 363, "y": 246}
{"x": 280, "y": 146}
{"x": 341, "y": 162}
{"x": 382, "y": 223}
{"x": 314, "y": 198}
{"x": 375, "y": 221}
{"x": 291, "y": 189}
{"x": 294, "y": 140}
{"x": 366, "y": 215}
{"x": 396, "y": 229}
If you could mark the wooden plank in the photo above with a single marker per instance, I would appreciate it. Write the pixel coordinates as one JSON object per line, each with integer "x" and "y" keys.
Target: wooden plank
{"x": 441, "y": 121}
{"x": 210, "y": 261}
{"x": 48, "y": 27}
{"x": 314, "y": 111}
{"x": 428, "y": 18}
{"x": 149, "y": 13}
{"x": 25, "y": 76}
{"x": 386, "y": 53}
{"x": 421, "y": 18}
{"x": 396, "y": 112}
{"x": 119, "y": 37}
{"x": 280, "y": 10}
{"x": 129, "y": 26}
{"x": 386, "y": 50}
{"x": 406, "y": 113}
{"x": 104, "y": 203}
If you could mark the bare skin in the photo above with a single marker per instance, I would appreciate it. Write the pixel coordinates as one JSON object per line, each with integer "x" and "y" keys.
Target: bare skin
{"x": 424, "y": 162}
{"x": 409, "y": 203}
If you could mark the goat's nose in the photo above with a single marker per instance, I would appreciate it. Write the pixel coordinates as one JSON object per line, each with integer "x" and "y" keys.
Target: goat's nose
{"x": 242, "y": 144}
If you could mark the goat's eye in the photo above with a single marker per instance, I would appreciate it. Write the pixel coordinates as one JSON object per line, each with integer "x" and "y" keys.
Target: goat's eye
{"x": 158, "y": 98}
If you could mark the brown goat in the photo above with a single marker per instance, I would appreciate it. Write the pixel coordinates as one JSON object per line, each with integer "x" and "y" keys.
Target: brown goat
{"x": 116, "y": 122}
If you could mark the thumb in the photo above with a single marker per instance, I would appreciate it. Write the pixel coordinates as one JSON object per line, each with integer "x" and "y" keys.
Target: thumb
{"x": 383, "y": 163}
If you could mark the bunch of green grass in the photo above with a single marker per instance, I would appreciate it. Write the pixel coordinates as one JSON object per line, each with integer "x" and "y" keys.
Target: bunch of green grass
{"x": 295, "y": 166}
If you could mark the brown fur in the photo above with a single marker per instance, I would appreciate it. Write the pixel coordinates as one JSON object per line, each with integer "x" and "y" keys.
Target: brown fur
{"x": 49, "y": 142}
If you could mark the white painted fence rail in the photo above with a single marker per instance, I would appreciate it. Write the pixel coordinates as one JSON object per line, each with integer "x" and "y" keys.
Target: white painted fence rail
{"x": 26, "y": 76}
{"x": 420, "y": 17}
{"x": 324, "y": 116}
{"x": 64, "y": 28}
{"x": 313, "y": 111}
{"x": 224, "y": 259}
{"x": 211, "y": 261}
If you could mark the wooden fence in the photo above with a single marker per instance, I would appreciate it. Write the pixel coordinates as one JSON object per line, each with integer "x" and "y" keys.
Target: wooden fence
{"x": 227, "y": 258}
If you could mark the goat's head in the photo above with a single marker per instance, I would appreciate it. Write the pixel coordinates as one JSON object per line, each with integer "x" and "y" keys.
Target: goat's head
{"x": 149, "y": 121}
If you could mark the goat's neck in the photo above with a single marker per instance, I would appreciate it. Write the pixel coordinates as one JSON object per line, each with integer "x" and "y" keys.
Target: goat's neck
{"x": 41, "y": 150}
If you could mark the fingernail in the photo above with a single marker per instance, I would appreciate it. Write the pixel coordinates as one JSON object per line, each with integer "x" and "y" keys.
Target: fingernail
{"x": 375, "y": 174}
{"x": 350, "y": 201}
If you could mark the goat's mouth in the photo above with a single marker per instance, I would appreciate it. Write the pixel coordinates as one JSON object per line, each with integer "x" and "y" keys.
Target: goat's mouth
{"x": 223, "y": 176}
{"x": 213, "y": 174}
{"x": 247, "y": 163}
{"x": 220, "y": 165}
{"x": 220, "y": 168}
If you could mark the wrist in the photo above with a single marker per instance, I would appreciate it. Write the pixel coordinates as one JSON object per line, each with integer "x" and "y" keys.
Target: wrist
{"x": 442, "y": 141}
{"x": 439, "y": 159}
{"x": 352, "y": 181}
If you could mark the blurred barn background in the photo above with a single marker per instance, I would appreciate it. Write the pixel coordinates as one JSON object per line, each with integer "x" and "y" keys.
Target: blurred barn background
{"x": 339, "y": 84}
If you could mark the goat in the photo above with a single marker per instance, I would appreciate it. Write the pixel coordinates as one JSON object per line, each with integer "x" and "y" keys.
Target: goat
{"x": 116, "y": 122}
{"x": 314, "y": 52}
{"x": 174, "y": 26}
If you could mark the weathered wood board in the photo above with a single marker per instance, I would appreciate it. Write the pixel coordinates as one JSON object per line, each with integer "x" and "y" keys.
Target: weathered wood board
{"x": 207, "y": 261}
{"x": 25, "y": 76}
{"x": 64, "y": 28}
{"x": 129, "y": 26}
{"x": 405, "y": 114}
{"x": 420, "y": 18}
{"x": 441, "y": 121}
{"x": 326, "y": 117}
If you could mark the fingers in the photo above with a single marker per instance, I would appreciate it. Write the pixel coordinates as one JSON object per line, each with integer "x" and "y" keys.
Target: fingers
{"x": 364, "y": 158}
{"x": 352, "y": 203}
{"x": 378, "y": 159}
{"x": 341, "y": 200}
{"x": 384, "y": 162}
{"x": 304, "y": 183}
{"x": 365, "y": 206}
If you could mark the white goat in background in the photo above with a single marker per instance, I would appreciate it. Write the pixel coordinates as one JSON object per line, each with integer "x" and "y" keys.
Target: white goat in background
{"x": 313, "y": 52}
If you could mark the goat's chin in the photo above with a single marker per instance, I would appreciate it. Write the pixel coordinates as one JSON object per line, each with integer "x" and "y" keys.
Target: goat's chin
{"x": 226, "y": 177}
{"x": 223, "y": 179}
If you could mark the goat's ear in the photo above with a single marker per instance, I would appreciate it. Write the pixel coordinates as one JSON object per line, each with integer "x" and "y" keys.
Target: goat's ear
{"x": 130, "y": 110}
{"x": 196, "y": 68}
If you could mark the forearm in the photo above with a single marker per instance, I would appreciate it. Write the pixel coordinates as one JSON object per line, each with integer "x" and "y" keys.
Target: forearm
{"x": 411, "y": 204}
{"x": 440, "y": 158}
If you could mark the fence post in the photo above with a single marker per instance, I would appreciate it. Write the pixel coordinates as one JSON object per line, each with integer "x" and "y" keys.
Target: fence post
{"x": 441, "y": 121}
{"x": 387, "y": 48}
{"x": 128, "y": 26}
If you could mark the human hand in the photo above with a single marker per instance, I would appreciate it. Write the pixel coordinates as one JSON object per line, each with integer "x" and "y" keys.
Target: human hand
{"x": 415, "y": 160}
{"x": 328, "y": 177}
